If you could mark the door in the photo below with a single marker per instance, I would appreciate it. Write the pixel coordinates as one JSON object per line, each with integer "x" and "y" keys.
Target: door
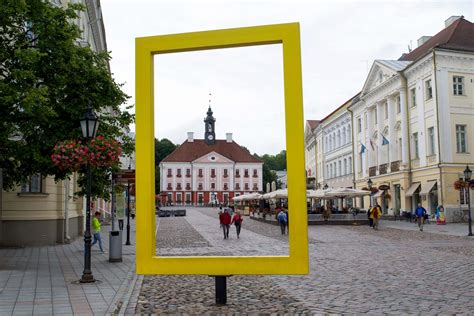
{"x": 397, "y": 199}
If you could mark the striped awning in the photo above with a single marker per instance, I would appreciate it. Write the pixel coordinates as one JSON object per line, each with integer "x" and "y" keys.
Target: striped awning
{"x": 412, "y": 189}
{"x": 427, "y": 187}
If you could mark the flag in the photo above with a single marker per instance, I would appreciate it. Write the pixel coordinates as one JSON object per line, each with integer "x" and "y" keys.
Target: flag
{"x": 362, "y": 148}
{"x": 384, "y": 141}
{"x": 372, "y": 144}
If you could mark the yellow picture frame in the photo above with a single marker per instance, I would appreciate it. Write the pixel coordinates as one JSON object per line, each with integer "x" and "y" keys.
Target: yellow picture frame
{"x": 147, "y": 262}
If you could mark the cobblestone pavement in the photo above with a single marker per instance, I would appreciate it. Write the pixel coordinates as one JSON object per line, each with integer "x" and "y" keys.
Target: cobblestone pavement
{"x": 354, "y": 270}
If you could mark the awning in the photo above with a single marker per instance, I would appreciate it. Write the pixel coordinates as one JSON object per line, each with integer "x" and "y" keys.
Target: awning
{"x": 412, "y": 189}
{"x": 378, "y": 194}
{"x": 427, "y": 187}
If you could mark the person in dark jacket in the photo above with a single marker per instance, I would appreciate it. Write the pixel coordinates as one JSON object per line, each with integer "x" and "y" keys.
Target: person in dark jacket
{"x": 420, "y": 213}
{"x": 225, "y": 219}
{"x": 237, "y": 221}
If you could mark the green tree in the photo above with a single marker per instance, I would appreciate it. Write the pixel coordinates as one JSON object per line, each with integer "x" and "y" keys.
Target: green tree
{"x": 47, "y": 82}
{"x": 162, "y": 149}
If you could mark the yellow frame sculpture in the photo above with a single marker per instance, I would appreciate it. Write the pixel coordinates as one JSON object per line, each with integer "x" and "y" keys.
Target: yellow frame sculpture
{"x": 146, "y": 47}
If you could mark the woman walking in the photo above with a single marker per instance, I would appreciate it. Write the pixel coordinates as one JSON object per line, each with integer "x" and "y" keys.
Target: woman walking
{"x": 237, "y": 221}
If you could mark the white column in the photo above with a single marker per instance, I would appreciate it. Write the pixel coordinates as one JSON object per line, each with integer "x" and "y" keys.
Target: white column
{"x": 444, "y": 88}
{"x": 404, "y": 119}
{"x": 370, "y": 123}
{"x": 392, "y": 133}
{"x": 380, "y": 125}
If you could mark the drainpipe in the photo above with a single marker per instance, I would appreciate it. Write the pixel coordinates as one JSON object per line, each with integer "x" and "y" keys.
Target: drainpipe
{"x": 353, "y": 148}
{"x": 66, "y": 211}
{"x": 441, "y": 196}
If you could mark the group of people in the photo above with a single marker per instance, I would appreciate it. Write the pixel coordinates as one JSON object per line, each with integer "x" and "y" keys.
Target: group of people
{"x": 227, "y": 218}
{"x": 374, "y": 213}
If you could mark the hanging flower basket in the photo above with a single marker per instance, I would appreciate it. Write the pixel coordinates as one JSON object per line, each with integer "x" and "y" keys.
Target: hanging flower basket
{"x": 71, "y": 155}
{"x": 461, "y": 184}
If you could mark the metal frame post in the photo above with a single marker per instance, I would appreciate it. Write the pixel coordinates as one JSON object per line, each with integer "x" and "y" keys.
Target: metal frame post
{"x": 221, "y": 290}
{"x": 128, "y": 214}
{"x": 87, "y": 276}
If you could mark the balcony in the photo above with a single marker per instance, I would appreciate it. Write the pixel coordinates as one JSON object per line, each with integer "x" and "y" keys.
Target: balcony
{"x": 188, "y": 175}
{"x": 226, "y": 175}
{"x": 169, "y": 175}
{"x": 372, "y": 171}
{"x": 255, "y": 175}
{"x": 383, "y": 168}
{"x": 179, "y": 188}
{"x": 226, "y": 188}
{"x": 395, "y": 166}
{"x": 169, "y": 188}
{"x": 200, "y": 175}
{"x": 188, "y": 187}
{"x": 246, "y": 175}
{"x": 200, "y": 187}
{"x": 237, "y": 175}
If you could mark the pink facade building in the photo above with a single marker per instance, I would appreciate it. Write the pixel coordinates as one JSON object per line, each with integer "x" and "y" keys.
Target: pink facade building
{"x": 208, "y": 171}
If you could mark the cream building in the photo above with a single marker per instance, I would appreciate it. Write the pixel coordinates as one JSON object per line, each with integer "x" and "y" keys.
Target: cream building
{"x": 414, "y": 123}
{"x": 310, "y": 152}
{"x": 43, "y": 211}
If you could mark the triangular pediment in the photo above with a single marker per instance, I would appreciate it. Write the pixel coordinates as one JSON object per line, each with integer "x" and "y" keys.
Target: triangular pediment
{"x": 213, "y": 157}
{"x": 381, "y": 71}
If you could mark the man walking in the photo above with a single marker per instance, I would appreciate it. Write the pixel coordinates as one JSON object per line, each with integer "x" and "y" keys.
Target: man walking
{"x": 282, "y": 220}
{"x": 376, "y": 214}
{"x": 225, "y": 219}
{"x": 420, "y": 215}
{"x": 96, "y": 230}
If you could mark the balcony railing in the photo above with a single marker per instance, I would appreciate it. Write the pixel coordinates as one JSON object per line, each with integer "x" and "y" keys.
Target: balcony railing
{"x": 383, "y": 168}
{"x": 372, "y": 171}
{"x": 395, "y": 166}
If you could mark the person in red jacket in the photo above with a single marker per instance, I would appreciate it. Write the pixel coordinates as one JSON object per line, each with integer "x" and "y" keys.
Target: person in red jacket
{"x": 237, "y": 221}
{"x": 225, "y": 219}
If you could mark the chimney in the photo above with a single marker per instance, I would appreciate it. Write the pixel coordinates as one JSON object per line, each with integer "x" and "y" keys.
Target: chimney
{"x": 423, "y": 40}
{"x": 451, "y": 19}
{"x": 228, "y": 137}
{"x": 190, "y": 137}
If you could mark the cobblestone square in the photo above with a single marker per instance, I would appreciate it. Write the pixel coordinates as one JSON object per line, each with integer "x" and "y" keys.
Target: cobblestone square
{"x": 354, "y": 270}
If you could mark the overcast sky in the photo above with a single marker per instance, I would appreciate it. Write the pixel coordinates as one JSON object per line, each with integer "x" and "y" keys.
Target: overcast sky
{"x": 339, "y": 40}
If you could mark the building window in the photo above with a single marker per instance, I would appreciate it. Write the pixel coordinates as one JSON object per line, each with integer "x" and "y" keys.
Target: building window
{"x": 34, "y": 184}
{"x": 327, "y": 171}
{"x": 178, "y": 186}
{"x": 169, "y": 187}
{"x": 225, "y": 173}
{"x": 213, "y": 173}
{"x": 344, "y": 135}
{"x": 340, "y": 168}
{"x": 237, "y": 186}
{"x": 359, "y": 125}
{"x": 385, "y": 110}
{"x": 349, "y": 167}
{"x": 461, "y": 143}
{"x": 338, "y": 139}
{"x": 345, "y": 166}
{"x": 200, "y": 186}
{"x": 213, "y": 185}
{"x": 200, "y": 173}
{"x": 413, "y": 97}
{"x": 188, "y": 186}
{"x": 428, "y": 90}
{"x": 431, "y": 141}
{"x": 415, "y": 146}
{"x": 399, "y": 105}
{"x": 237, "y": 173}
{"x": 178, "y": 173}
{"x": 246, "y": 186}
{"x": 349, "y": 134}
{"x": 246, "y": 173}
{"x": 226, "y": 186}
{"x": 188, "y": 172}
{"x": 255, "y": 174}
{"x": 458, "y": 85}
{"x": 169, "y": 173}
{"x": 255, "y": 187}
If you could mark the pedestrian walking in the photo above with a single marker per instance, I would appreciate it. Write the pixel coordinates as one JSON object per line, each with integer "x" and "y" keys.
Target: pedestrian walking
{"x": 225, "y": 219}
{"x": 370, "y": 216}
{"x": 420, "y": 213}
{"x": 237, "y": 221}
{"x": 282, "y": 220}
{"x": 96, "y": 230}
{"x": 376, "y": 214}
{"x": 326, "y": 213}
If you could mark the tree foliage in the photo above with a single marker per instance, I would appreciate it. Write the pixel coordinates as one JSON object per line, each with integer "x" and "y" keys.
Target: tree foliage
{"x": 47, "y": 82}
{"x": 162, "y": 149}
{"x": 272, "y": 163}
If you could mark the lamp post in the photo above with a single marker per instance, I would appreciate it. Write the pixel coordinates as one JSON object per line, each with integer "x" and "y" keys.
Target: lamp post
{"x": 127, "y": 243}
{"x": 89, "y": 126}
{"x": 467, "y": 178}
{"x": 369, "y": 185}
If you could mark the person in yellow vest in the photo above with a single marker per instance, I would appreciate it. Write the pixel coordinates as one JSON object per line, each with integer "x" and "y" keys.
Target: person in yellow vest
{"x": 96, "y": 230}
{"x": 376, "y": 213}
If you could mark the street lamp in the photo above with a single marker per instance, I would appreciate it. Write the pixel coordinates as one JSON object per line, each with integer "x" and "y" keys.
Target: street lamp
{"x": 89, "y": 126}
{"x": 369, "y": 185}
{"x": 127, "y": 243}
{"x": 467, "y": 178}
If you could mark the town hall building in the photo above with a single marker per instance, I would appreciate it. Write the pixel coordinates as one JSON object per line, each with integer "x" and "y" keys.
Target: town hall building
{"x": 208, "y": 171}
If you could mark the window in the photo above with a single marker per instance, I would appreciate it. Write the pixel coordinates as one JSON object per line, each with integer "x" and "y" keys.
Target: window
{"x": 188, "y": 172}
{"x": 200, "y": 186}
{"x": 225, "y": 173}
{"x": 345, "y": 166}
{"x": 237, "y": 173}
{"x": 178, "y": 186}
{"x": 458, "y": 85}
{"x": 246, "y": 186}
{"x": 359, "y": 125}
{"x": 461, "y": 138}
{"x": 178, "y": 173}
{"x": 200, "y": 173}
{"x": 246, "y": 173}
{"x": 169, "y": 173}
{"x": 34, "y": 185}
{"x": 431, "y": 141}
{"x": 331, "y": 170}
{"x": 169, "y": 187}
{"x": 415, "y": 146}
{"x": 375, "y": 115}
{"x": 338, "y": 138}
{"x": 344, "y": 135}
{"x": 340, "y": 168}
{"x": 255, "y": 174}
{"x": 237, "y": 186}
{"x": 349, "y": 133}
{"x": 213, "y": 185}
{"x": 385, "y": 110}
{"x": 327, "y": 171}
{"x": 188, "y": 186}
{"x": 463, "y": 195}
{"x": 349, "y": 167}
{"x": 226, "y": 186}
{"x": 213, "y": 173}
{"x": 255, "y": 187}
{"x": 413, "y": 97}
{"x": 428, "y": 90}
{"x": 399, "y": 105}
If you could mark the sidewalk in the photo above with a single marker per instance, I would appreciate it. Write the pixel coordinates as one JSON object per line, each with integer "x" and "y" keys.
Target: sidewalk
{"x": 43, "y": 280}
{"x": 453, "y": 229}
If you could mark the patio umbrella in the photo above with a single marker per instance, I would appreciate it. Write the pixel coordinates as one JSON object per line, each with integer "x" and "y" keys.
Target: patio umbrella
{"x": 316, "y": 194}
{"x": 346, "y": 193}
{"x": 247, "y": 197}
{"x": 278, "y": 194}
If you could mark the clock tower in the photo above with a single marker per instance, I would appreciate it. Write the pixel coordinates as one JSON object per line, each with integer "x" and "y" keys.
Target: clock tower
{"x": 209, "y": 134}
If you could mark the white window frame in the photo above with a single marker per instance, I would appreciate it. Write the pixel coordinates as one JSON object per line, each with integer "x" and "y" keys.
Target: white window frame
{"x": 34, "y": 184}
{"x": 431, "y": 140}
{"x": 416, "y": 151}
{"x": 458, "y": 85}
{"x": 428, "y": 90}
{"x": 413, "y": 97}
{"x": 461, "y": 138}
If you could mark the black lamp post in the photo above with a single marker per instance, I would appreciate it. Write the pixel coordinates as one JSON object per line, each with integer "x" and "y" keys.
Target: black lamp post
{"x": 369, "y": 185}
{"x": 467, "y": 178}
{"x": 127, "y": 243}
{"x": 89, "y": 126}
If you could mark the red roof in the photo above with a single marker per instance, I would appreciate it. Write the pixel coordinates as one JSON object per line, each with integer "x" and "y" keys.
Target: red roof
{"x": 190, "y": 151}
{"x": 313, "y": 123}
{"x": 457, "y": 36}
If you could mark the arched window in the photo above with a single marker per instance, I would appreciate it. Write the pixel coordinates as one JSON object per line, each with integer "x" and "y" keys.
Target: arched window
{"x": 350, "y": 165}
{"x": 344, "y": 135}
{"x": 345, "y": 166}
{"x": 349, "y": 134}
{"x": 330, "y": 173}
{"x": 339, "y": 138}
{"x": 334, "y": 140}
{"x": 340, "y": 168}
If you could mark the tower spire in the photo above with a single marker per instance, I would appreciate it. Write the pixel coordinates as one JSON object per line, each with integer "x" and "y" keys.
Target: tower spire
{"x": 209, "y": 132}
